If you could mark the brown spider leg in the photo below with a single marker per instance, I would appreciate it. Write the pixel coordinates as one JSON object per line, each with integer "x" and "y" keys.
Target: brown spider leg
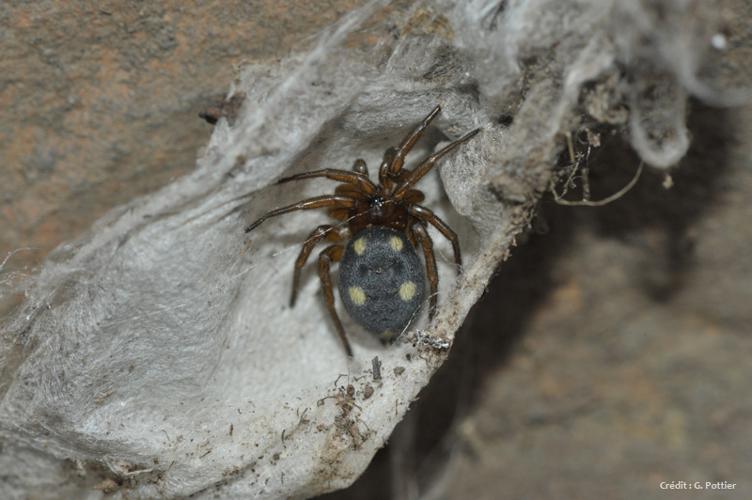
{"x": 324, "y": 231}
{"x": 409, "y": 141}
{"x": 413, "y": 197}
{"x": 384, "y": 179}
{"x": 425, "y": 215}
{"x": 410, "y": 234}
{"x": 359, "y": 166}
{"x": 429, "y": 163}
{"x": 309, "y": 204}
{"x": 356, "y": 178}
{"x": 326, "y": 257}
{"x": 351, "y": 191}
{"x": 433, "y": 277}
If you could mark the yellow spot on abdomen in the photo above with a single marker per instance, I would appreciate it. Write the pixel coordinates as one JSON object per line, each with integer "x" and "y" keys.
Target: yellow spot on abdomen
{"x": 359, "y": 246}
{"x": 407, "y": 291}
{"x": 357, "y": 295}
{"x": 396, "y": 243}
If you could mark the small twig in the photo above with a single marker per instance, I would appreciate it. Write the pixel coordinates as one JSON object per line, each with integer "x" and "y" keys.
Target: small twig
{"x": 376, "y": 368}
{"x": 599, "y": 203}
{"x": 585, "y": 182}
{"x": 570, "y": 148}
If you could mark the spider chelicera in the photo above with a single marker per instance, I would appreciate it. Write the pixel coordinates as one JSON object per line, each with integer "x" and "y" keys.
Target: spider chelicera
{"x": 381, "y": 278}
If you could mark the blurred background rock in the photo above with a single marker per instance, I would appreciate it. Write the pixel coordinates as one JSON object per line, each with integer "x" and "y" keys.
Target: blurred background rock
{"x": 611, "y": 351}
{"x": 99, "y": 100}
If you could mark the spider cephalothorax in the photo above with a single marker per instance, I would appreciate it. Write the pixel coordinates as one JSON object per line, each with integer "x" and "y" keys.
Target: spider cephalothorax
{"x": 381, "y": 279}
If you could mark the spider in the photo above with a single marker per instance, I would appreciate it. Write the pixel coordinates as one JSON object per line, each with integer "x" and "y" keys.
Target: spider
{"x": 381, "y": 279}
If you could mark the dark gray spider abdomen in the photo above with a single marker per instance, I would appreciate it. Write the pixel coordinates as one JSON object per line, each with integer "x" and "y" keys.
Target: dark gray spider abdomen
{"x": 381, "y": 280}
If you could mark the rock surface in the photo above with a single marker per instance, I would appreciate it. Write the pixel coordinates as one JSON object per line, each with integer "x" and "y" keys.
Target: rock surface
{"x": 153, "y": 354}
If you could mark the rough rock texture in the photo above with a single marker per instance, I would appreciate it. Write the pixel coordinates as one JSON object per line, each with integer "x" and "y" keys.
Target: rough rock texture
{"x": 154, "y": 354}
{"x": 98, "y": 101}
